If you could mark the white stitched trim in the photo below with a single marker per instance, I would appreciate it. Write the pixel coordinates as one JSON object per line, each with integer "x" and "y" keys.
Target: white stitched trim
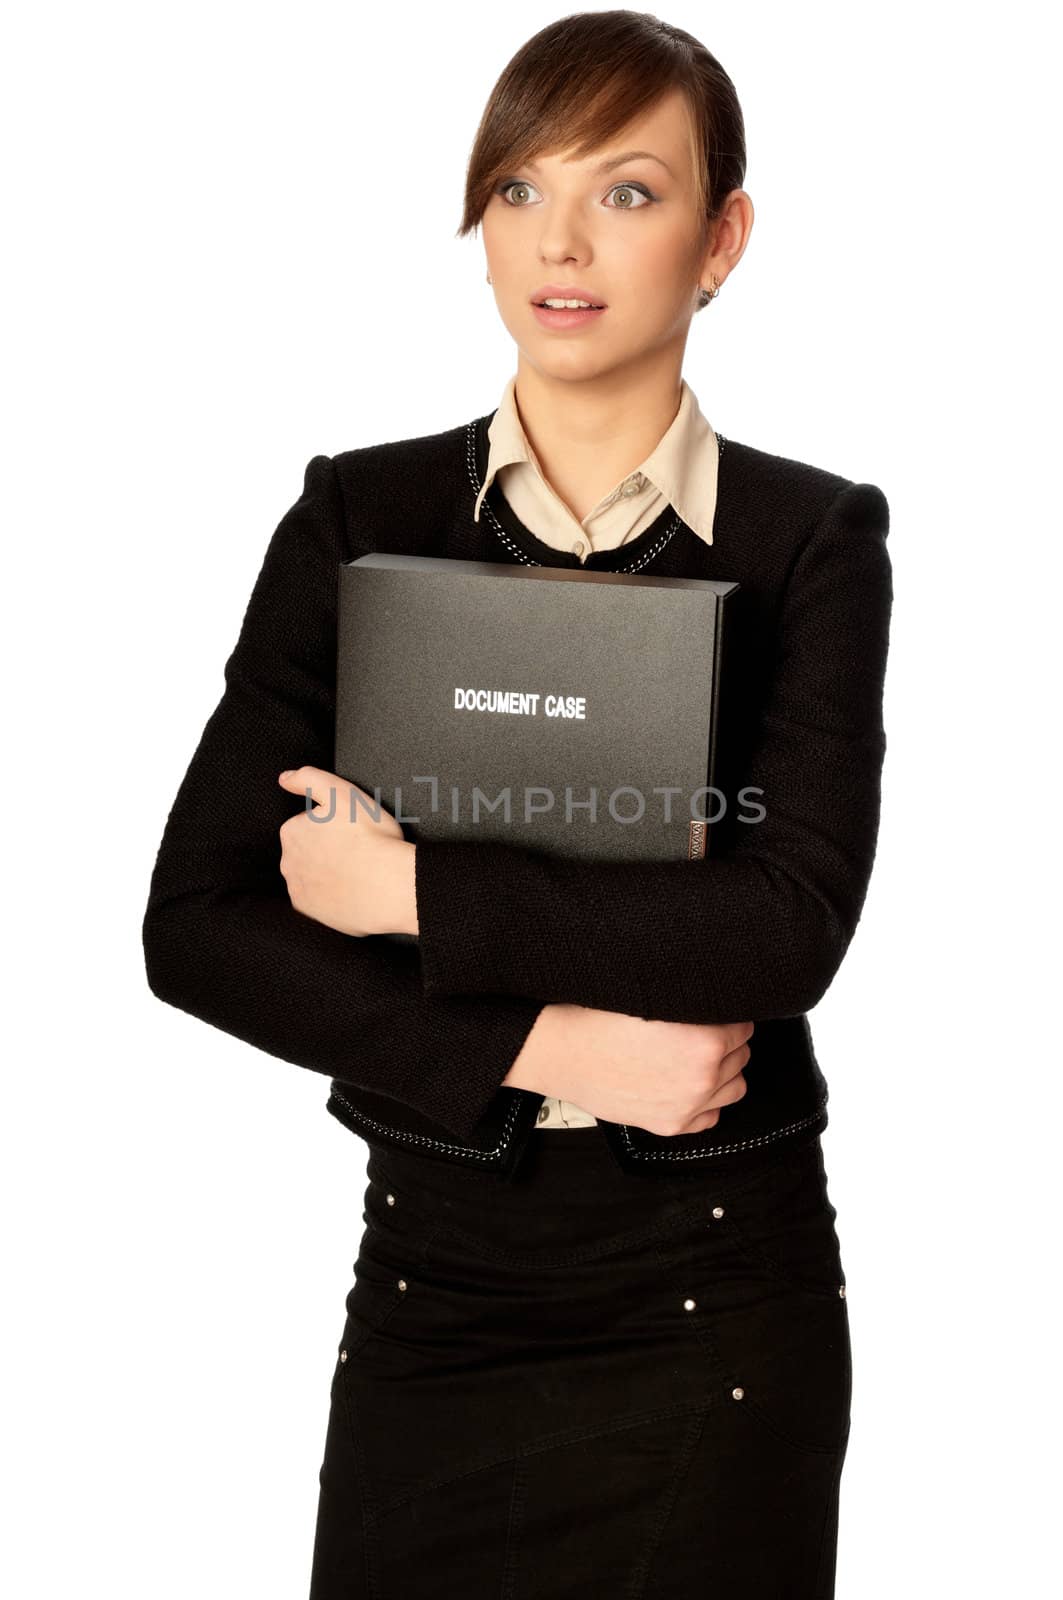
{"x": 718, "y": 1149}
{"x": 436, "y": 1144}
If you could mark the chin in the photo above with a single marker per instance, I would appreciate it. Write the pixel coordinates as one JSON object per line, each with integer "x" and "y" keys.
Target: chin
{"x": 569, "y": 365}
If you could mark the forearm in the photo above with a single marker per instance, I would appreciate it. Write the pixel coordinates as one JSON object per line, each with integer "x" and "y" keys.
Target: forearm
{"x": 354, "y": 1009}
{"x": 702, "y": 942}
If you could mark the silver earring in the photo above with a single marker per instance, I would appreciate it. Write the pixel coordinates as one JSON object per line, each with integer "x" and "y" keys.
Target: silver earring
{"x": 705, "y": 295}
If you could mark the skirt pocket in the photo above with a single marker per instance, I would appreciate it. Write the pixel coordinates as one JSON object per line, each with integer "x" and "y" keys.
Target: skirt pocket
{"x": 759, "y": 1266}
{"x": 387, "y": 1273}
{"x": 783, "y": 1218}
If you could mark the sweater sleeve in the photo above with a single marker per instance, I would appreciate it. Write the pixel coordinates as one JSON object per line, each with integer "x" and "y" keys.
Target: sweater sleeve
{"x": 221, "y": 938}
{"x": 755, "y": 933}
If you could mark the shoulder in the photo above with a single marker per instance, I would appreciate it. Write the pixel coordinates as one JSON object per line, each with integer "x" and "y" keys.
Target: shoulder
{"x": 421, "y": 453}
{"x": 402, "y": 493}
{"x": 797, "y": 494}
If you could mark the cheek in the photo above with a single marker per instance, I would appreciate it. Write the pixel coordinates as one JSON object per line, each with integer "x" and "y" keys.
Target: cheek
{"x": 503, "y": 244}
{"x": 669, "y": 265}
{"x": 652, "y": 271}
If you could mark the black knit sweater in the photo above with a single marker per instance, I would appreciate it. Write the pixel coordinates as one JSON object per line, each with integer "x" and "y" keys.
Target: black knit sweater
{"x": 420, "y": 1036}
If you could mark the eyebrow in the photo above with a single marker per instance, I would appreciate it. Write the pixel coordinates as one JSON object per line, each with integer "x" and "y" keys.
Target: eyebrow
{"x": 618, "y": 161}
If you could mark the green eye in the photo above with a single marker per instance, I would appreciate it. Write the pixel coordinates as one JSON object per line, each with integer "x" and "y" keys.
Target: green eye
{"x": 631, "y": 189}
{"x": 513, "y": 183}
{"x": 637, "y": 194}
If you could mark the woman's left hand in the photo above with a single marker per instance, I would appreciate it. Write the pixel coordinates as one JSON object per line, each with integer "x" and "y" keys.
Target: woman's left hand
{"x": 344, "y": 866}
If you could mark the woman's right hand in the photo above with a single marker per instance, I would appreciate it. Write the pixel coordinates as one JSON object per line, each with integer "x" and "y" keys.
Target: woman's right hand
{"x": 664, "y": 1077}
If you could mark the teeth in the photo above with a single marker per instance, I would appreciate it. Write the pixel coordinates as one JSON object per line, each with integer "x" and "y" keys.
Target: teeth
{"x": 567, "y": 305}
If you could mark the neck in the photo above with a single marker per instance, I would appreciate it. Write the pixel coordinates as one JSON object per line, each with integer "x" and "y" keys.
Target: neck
{"x": 590, "y": 433}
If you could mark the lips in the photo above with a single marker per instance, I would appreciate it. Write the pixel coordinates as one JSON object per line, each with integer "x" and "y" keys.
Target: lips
{"x": 566, "y": 319}
{"x": 556, "y": 291}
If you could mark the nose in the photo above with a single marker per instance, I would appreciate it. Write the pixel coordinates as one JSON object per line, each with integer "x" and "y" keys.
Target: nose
{"x": 564, "y": 235}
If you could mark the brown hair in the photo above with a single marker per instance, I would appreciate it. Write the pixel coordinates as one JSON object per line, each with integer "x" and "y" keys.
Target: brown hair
{"x": 581, "y": 79}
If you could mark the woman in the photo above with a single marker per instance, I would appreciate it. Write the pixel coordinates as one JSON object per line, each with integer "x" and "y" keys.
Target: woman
{"x": 597, "y": 1339}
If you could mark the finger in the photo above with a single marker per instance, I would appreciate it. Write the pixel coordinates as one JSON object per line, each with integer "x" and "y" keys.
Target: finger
{"x": 703, "y": 1122}
{"x": 319, "y": 783}
{"x": 315, "y": 779}
{"x": 733, "y": 1063}
{"x": 726, "y": 1094}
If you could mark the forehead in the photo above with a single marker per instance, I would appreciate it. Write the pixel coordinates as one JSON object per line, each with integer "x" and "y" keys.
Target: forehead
{"x": 664, "y": 128}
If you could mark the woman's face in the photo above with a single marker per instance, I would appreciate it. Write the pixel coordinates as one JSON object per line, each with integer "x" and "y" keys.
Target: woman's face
{"x": 624, "y": 232}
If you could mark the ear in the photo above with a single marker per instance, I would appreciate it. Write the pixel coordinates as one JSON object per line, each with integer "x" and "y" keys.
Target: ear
{"x": 728, "y": 237}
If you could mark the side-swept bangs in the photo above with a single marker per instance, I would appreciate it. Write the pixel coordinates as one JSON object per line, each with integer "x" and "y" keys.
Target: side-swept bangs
{"x": 578, "y": 82}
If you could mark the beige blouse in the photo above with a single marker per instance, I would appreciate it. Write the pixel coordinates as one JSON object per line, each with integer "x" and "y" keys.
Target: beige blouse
{"x": 680, "y": 471}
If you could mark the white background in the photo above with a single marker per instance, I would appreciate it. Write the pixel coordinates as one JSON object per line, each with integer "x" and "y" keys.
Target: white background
{"x": 231, "y": 247}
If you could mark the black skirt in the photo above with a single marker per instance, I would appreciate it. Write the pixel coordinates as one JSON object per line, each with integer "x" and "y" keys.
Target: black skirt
{"x": 575, "y": 1382}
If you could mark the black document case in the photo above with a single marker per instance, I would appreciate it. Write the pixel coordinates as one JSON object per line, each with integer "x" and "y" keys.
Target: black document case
{"x": 606, "y": 694}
